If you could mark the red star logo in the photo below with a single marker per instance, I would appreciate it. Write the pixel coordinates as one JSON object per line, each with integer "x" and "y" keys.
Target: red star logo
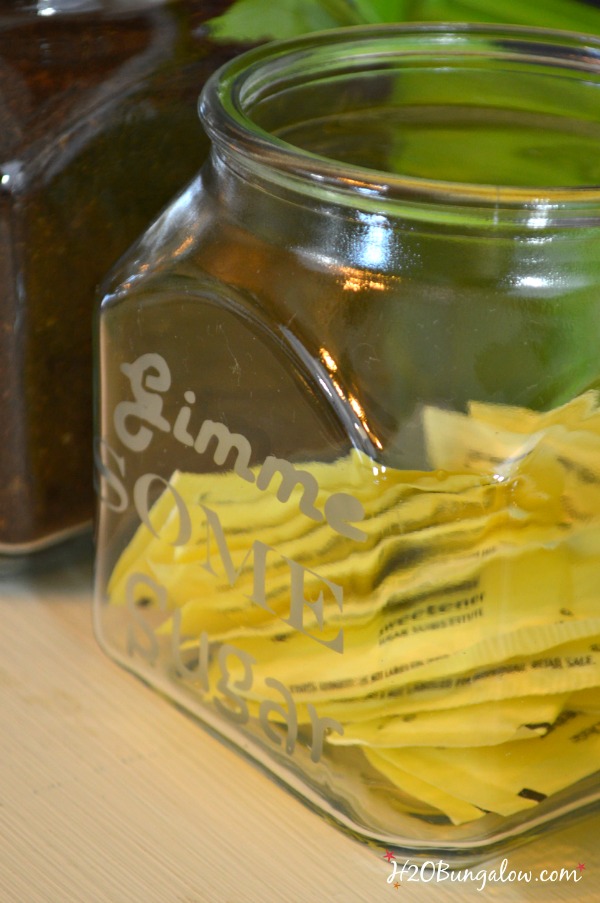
{"x": 396, "y": 884}
{"x": 581, "y": 866}
{"x": 389, "y": 856}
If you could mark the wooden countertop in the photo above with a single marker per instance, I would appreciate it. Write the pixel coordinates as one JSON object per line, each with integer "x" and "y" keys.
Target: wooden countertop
{"x": 109, "y": 794}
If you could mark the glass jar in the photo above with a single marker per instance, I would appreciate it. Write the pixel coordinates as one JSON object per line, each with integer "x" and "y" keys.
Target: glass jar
{"x": 99, "y": 130}
{"x": 349, "y": 431}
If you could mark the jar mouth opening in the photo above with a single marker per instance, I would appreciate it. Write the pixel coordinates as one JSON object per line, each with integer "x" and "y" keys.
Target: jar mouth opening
{"x": 499, "y": 118}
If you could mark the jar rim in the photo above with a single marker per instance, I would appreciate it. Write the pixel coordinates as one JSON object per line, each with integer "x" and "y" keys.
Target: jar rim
{"x": 225, "y": 109}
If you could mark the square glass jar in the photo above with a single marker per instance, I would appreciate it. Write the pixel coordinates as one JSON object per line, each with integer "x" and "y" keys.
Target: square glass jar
{"x": 348, "y": 443}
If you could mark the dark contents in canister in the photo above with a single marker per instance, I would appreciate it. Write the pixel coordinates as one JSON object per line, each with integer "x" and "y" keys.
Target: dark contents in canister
{"x": 98, "y": 130}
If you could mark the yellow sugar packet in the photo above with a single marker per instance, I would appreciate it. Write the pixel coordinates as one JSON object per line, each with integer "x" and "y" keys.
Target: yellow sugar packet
{"x": 512, "y": 776}
{"x": 448, "y": 547}
{"x": 199, "y": 593}
{"x": 587, "y": 700}
{"x": 560, "y": 464}
{"x": 579, "y": 456}
{"x": 458, "y": 811}
{"x": 246, "y": 508}
{"x": 568, "y": 669}
{"x": 582, "y": 412}
{"x": 481, "y": 724}
{"x": 498, "y": 438}
{"x": 460, "y": 444}
{"x": 369, "y": 580}
{"x": 544, "y": 598}
{"x": 294, "y": 536}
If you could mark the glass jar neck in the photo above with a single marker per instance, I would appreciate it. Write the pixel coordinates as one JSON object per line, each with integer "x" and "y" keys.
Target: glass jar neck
{"x": 320, "y": 226}
{"x": 369, "y": 119}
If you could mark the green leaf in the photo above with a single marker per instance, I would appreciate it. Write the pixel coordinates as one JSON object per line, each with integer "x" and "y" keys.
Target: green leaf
{"x": 376, "y": 11}
{"x": 570, "y": 15}
{"x": 250, "y": 21}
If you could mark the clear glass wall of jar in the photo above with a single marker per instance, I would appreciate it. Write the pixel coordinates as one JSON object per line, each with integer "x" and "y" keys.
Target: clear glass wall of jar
{"x": 348, "y": 433}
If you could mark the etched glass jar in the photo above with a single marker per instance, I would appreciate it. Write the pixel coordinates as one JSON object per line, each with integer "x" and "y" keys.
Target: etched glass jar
{"x": 349, "y": 431}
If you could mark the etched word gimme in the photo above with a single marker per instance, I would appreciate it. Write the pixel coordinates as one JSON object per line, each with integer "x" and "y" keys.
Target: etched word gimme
{"x": 136, "y": 421}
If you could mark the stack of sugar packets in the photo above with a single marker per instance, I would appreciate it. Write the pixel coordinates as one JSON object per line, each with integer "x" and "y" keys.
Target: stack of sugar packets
{"x": 458, "y": 645}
